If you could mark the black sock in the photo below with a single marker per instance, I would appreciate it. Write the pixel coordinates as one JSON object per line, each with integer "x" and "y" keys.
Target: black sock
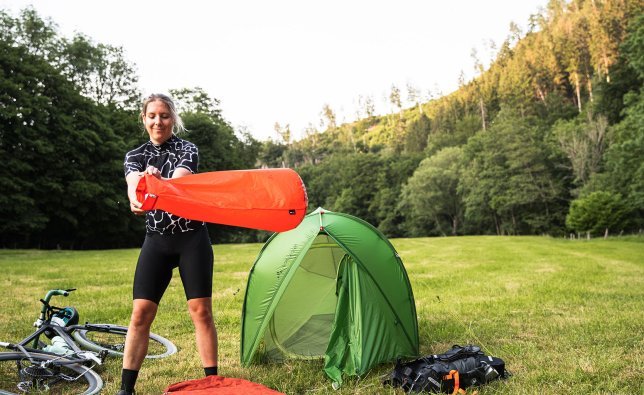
{"x": 211, "y": 371}
{"x": 128, "y": 379}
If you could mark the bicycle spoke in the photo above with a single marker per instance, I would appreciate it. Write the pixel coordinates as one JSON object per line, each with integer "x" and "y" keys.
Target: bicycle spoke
{"x": 116, "y": 342}
{"x": 111, "y": 341}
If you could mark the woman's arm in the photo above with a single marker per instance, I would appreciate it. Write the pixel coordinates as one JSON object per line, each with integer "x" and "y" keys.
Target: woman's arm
{"x": 132, "y": 180}
{"x": 180, "y": 172}
{"x": 134, "y": 177}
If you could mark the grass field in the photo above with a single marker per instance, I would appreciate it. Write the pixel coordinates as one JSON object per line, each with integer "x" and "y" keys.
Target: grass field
{"x": 566, "y": 316}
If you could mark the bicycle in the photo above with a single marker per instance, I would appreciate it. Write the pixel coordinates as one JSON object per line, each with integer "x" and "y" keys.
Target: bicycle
{"x": 66, "y": 365}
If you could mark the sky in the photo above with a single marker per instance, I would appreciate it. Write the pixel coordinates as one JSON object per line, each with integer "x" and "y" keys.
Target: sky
{"x": 284, "y": 60}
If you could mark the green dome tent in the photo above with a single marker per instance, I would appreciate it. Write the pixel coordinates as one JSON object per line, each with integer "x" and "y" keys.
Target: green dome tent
{"x": 333, "y": 287}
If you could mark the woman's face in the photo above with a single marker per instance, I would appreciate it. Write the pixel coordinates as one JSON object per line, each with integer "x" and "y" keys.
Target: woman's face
{"x": 158, "y": 121}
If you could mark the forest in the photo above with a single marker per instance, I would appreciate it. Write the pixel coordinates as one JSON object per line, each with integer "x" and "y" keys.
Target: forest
{"x": 546, "y": 139}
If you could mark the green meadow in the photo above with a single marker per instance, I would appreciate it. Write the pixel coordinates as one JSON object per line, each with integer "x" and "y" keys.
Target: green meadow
{"x": 567, "y": 316}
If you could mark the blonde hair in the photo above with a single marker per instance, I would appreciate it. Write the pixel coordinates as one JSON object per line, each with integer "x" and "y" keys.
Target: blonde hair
{"x": 176, "y": 118}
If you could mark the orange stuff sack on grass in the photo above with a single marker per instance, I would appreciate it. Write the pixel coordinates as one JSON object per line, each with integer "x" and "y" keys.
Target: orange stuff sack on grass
{"x": 217, "y": 385}
{"x": 268, "y": 199}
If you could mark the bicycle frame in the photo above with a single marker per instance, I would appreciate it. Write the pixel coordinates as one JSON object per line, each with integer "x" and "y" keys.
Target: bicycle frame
{"x": 74, "y": 351}
{"x": 43, "y": 324}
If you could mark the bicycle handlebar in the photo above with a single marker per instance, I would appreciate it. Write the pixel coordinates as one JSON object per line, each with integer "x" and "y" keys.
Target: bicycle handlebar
{"x": 54, "y": 292}
{"x": 50, "y": 294}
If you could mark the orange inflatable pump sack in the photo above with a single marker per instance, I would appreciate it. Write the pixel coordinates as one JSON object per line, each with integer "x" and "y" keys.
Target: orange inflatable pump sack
{"x": 268, "y": 199}
{"x": 217, "y": 385}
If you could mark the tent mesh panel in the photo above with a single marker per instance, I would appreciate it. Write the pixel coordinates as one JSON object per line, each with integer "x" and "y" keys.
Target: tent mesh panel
{"x": 303, "y": 319}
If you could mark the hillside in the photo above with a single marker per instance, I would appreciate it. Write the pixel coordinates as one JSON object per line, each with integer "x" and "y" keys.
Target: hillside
{"x": 554, "y": 121}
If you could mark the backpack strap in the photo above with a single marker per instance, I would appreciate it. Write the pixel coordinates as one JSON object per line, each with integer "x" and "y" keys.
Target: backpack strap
{"x": 453, "y": 375}
{"x": 459, "y": 352}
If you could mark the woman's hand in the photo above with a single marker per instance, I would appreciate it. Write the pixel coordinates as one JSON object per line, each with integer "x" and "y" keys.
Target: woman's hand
{"x": 153, "y": 171}
{"x": 132, "y": 180}
{"x": 135, "y": 207}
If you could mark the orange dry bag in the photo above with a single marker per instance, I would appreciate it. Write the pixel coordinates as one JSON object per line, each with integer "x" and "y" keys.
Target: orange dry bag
{"x": 267, "y": 199}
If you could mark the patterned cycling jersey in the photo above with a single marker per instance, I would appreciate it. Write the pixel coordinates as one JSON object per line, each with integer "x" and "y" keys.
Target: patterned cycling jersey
{"x": 166, "y": 157}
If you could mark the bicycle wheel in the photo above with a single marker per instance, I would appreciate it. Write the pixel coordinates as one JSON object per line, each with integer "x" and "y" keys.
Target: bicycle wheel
{"x": 19, "y": 375}
{"x": 98, "y": 337}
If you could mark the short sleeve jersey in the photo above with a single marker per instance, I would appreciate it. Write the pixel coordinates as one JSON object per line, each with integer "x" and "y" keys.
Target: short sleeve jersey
{"x": 166, "y": 157}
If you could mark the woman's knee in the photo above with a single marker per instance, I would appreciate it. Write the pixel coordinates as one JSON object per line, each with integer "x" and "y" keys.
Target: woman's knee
{"x": 200, "y": 310}
{"x": 143, "y": 313}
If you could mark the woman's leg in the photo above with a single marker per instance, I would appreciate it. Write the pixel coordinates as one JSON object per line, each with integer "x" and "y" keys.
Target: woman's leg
{"x": 138, "y": 333}
{"x": 205, "y": 330}
{"x": 152, "y": 276}
{"x": 196, "y": 268}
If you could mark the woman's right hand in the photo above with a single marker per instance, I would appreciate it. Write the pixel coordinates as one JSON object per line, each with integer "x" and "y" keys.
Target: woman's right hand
{"x": 135, "y": 207}
{"x": 153, "y": 171}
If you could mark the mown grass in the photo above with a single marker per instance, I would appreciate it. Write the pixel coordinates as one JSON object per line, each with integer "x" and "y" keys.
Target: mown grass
{"x": 566, "y": 316}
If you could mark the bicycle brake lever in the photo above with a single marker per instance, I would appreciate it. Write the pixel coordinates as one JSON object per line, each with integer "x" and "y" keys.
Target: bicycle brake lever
{"x": 70, "y": 289}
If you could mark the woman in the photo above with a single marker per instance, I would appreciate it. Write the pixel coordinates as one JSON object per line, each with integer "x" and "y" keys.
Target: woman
{"x": 170, "y": 242}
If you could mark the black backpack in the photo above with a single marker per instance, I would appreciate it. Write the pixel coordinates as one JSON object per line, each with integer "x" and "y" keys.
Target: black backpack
{"x": 451, "y": 372}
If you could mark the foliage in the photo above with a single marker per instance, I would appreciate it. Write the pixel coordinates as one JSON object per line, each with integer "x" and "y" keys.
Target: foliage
{"x": 68, "y": 116}
{"x": 624, "y": 168}
{"x": 51, "y": 135}
{"x": 556, "y": 115}
{"x": 509, "y": 173}
{"x": 100, "y": 72}
{"x": 417, "y": 133}
{"x": 583, "y": 140}
{"x": 431, "y": 196}
{"x": 537, "y": 128}
{"x": 598, "y": 213}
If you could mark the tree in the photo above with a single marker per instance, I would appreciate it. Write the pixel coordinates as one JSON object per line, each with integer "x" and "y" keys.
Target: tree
{"x": 597, "y": 213}
{"x": 509, "y": 180}
{"x": 367, "y": 106}
{"x": 605, "y": 25}
{"x": 542, "y": 63}
{"x": 219, "y": 148}
{"x": 432, "y": 196}
{"x": 571, "y": 37}
{"x": 417, "y": 134}
{"x": 395, "y": 99}
{"x": 196, "y": 100}
{"x": 21, "y": 141}
{"x": 384, "y": 206}
{"x": 624, "y": 169}
{"x": 479, "y": 88}
{"x": 413, "y": 97}
{"x": 515, "y": 82}
{"x": 284, "y": 132}
{"x": 63, "y": 177}
{"x": 463, "y": 128}
{"x": 328, "y": 117}
{"x": 101, "y": 72}
{"x": 271, "y": 154}
{"x": 358, "y": 185}
{"x": 37, "y": 36}
{"x": 584, "y": 141}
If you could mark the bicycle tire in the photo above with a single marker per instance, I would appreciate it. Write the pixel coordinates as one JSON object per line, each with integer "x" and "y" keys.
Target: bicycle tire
{"x": 99, "y": 337}
{"x": 19, "y": 376}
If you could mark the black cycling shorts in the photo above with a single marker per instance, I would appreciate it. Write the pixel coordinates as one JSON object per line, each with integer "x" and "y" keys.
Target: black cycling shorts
{"x": 190, "y": 251}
